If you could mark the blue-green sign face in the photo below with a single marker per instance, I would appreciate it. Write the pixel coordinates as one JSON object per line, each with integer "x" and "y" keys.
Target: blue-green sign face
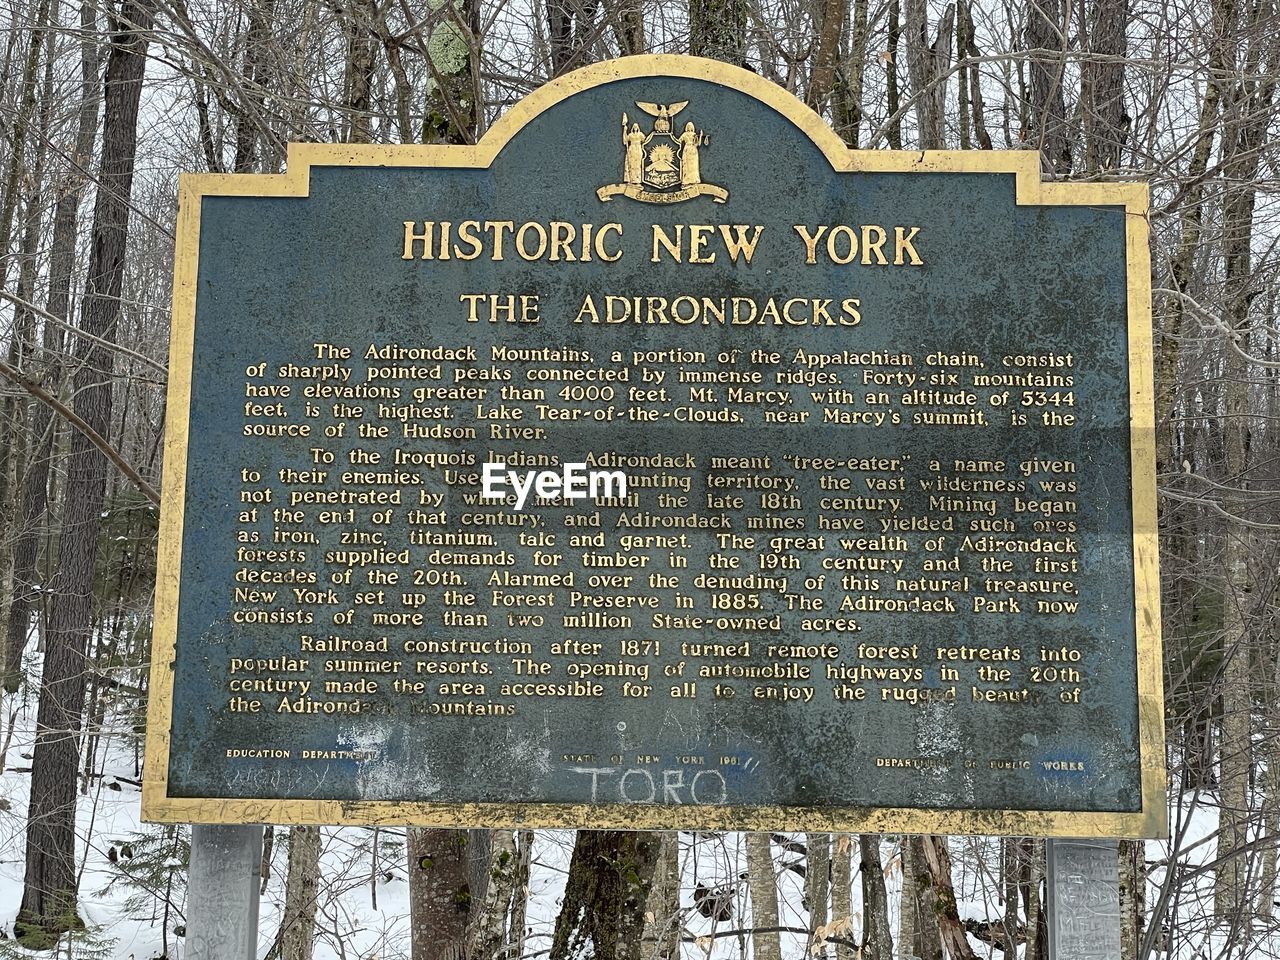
{"x": 660, "y": 462}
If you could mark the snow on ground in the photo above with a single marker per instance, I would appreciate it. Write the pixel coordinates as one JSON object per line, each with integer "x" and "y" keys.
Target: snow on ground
{"x": 363, "y": 913}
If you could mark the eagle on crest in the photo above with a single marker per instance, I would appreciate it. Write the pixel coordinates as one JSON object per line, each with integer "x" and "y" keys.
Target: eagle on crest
{"x": 662, "y": 113}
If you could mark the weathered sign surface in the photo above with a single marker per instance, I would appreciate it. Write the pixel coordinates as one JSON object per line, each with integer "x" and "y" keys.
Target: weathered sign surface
{"x": 885, "y": 557}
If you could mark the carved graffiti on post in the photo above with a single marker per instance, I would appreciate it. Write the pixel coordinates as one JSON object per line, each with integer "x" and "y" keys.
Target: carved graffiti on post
{"x": 1085, "y": 893}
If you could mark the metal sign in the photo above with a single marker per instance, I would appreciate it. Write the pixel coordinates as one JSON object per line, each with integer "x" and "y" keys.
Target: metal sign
{"x": 660, "y": 462}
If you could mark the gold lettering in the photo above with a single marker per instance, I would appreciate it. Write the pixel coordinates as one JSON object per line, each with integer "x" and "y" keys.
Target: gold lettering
{"x": 902, "y": 242}
{"x": 411, "y": 237}
{"x": 661, "y": 237}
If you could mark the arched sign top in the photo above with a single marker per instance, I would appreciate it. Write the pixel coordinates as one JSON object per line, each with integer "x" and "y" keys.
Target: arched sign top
{"x": 1024, "y": 164}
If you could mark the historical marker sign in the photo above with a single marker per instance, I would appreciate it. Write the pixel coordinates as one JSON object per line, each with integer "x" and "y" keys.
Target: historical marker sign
{"x": 886, "y": 554}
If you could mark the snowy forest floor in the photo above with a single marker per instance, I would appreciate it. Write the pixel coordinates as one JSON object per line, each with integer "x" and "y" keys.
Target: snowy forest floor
{"x": 133, "y": 884}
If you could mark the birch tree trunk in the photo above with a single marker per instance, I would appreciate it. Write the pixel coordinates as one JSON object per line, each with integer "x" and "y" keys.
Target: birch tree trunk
{"x": 518, "y": 929}
{"x": 763, "y": 882}
{"x": 1133, "y": 881}
{"x": 1032, "y": 867}
{"x": 487, "y": 938}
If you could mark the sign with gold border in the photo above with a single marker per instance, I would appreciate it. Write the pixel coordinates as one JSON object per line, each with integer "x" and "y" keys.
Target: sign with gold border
{"x": 685, "y": 174}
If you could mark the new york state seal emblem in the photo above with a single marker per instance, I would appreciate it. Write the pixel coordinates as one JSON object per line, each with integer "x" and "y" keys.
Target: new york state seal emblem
{"x": 662, "y": 166}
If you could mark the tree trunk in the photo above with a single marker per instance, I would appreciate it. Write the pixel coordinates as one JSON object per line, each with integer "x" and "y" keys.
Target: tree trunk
{"x": 20, "y": 175}
{"x": 487, "y": 937}
{"x": 1189, "y": 243}
{"x": 1031, "y": 866}
{"x": 1011, "y": 872}
{"x": 926, "y": 940}
{"x": 610, "y": 876}
{"x": 662, "y": 926}
{"x": 842, "y": 895}
{"x": 943, "y": 906}
{"x": 629, "y": 26}
{"x": 49, "y": 893}
{"x": 571, "y": 31}
{"x": 301, "y": 888}
{"x": 850, "y": 78}
{"x": 831, "y": 15}
{"x": 1246, "y": 118}
{"x": 1106, "y": 125}
{"x": 358, "y": 77}
{"x": 256, "y": 78}
{"x": 763, "y": 882}
{"x": 453, "y": 110}
{"x": 1133, "y": 884}
{"x": 877, "y": 935}
{"x": 268, "y": 849}
{"x": 927, "y": 65}
{"x": 907, "y": 920}
{"x": 1271, "y": 795}
{"x": 894, "y": 132}
{"x": 817, "y": 885}
{"x": 967, "y": 46}
{"x": 49, "y": 366}
{"x": 718, "y": 29}
{"x": 15, "y": 170}
{"x": 1046, "y": 29}
{"x": 439, "y": 893}
{"x": 518, "y": 930}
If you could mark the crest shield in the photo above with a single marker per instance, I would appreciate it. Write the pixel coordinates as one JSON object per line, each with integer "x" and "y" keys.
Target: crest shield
{"x": 662, "y": 162}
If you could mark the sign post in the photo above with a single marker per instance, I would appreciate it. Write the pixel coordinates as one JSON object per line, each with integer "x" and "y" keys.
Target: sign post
{"x": 1083, "y": 896}
{"x": 660, "y": 462}
{"x": 222, "y": 892}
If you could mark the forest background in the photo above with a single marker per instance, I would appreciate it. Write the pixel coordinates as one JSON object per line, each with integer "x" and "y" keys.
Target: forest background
{"x": 103, "y": 102}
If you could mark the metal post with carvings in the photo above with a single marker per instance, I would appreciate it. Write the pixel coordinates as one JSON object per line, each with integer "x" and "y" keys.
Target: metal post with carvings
{"x": 222, "y": 892}
{"x": 1083, "y": 895}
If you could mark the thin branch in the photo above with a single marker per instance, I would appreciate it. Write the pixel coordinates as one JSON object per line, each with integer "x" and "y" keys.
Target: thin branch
{"x": 93, "y": 436}
{"x": 110, "y": 345}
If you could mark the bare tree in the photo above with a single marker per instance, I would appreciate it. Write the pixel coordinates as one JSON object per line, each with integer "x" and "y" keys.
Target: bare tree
{"x": 49, "y": 890}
